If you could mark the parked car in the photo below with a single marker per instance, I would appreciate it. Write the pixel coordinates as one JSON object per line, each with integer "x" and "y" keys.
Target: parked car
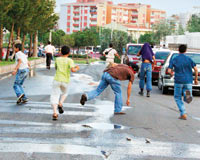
{"x": 165, "y": 81}
{"x": 131, "y": 53}
{"x": 160, "y": 56}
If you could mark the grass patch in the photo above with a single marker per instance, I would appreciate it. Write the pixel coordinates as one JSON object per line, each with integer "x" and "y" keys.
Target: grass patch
{"x": 9, "y": 62}
{"x": 84, "y": 61}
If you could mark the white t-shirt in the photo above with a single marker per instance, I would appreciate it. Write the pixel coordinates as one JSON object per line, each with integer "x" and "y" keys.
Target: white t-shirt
{"x": 50, "y": 49}
{"x": 23, "y": 57}
{"x": 111, "y": 55}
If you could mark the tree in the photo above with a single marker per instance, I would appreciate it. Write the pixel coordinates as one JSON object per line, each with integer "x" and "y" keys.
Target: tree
{"x": 57, "y": 37}
{"x": 5, "y": 6}
{"x": 194, "y": 23}
{"x": 181, "y": 30}
{"x": 147, "y": 37}
{"x": 161, "y": 30}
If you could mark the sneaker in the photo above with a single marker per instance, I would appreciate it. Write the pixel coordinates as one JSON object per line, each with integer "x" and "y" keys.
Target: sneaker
{"x": 19, "y": 100}
{"x": 60, "y": 109}
{"x": 188, "y": 97}
{"x": 119, "y": 113}
{"x": 83, "y": 99}
{"x": 25, "y": 100}
{"x": 183, "y": 117}
{"x": 148, "y": 94}
{"x": 141, "y": 93}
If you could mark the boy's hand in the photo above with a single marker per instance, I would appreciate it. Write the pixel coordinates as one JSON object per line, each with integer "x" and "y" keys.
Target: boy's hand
{"x": 196, "y": 82}
{"x": 77, "y": 67}
{"x": 127, "y": 102}
{"x": 14, "y": 72}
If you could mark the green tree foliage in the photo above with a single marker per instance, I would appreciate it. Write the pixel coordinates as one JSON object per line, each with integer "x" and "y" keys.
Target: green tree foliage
{"x": 194, "y": 23}
{"x": 147, "y": 37}
{"x": 161, "y": 30}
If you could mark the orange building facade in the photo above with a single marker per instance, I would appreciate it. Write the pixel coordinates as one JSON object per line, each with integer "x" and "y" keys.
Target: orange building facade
{"x": 88, "y": 13}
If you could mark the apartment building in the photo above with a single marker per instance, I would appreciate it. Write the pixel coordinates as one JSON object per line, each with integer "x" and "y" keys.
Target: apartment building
{"x": 87, "y": 13}
{"x": 82, "y": 14}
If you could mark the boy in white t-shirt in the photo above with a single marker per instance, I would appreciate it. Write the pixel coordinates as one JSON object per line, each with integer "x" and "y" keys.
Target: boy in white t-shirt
{"x": 21, "y": 71}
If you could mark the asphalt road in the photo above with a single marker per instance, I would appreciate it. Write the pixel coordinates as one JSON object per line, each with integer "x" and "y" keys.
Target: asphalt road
{"x": 149, "y": 130}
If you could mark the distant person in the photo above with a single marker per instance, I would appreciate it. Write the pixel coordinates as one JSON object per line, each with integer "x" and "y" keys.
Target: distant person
{"x": 64, "y": 66}
{"x": 112, "y": 76}
{"x": 146, "y": 68}
{"x": 182, "y": 66}
{"x": 21, "y": 71}
{"x": 110, "y": 54}
{"x": 49, "y": 50}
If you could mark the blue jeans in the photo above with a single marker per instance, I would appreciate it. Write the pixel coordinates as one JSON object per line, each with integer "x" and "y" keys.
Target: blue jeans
{"x": 19, "y": 80}
{"x": 106, "y": 80}
{"x": 146, "y": 69}
{"x": 179, "y": 90}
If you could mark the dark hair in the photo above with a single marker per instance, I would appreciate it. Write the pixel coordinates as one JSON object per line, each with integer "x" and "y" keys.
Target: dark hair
{"x": 110, "y": 45}
{"x": 182, "y": 48}
{"x": 65, "y": 50}
{"x": 19, "y": 46}
{"x": 49, "y": 42}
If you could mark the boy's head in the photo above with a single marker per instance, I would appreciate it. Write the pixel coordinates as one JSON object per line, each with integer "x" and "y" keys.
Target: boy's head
{"x": 182, "y": 48}
{"x": 18, "y": 47}
{"x": 110, "y": 45}
{"x": 65, "y": 50}
{"x": 49, "y": 42}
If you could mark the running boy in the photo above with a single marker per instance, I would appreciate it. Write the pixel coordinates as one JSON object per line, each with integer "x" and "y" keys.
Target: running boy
{"x": 64, "y": 66}
{"x": 21, "y": 71}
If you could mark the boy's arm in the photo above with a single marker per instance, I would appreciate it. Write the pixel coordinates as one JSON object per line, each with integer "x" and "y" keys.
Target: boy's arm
{"x": 75, "y": 69}
{"x": 196, "y": 76}
{"x": 17, "y": 67}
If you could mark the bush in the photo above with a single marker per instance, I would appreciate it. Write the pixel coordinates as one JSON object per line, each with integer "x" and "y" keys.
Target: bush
{"x": 103, "y": 58}
{"x": 79, "y": 56}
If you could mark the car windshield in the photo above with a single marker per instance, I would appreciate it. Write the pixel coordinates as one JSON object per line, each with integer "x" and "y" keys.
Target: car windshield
{"x": 133, "y": 50}
{"x": 161, "y": 55}
{"x": 194, "y": 56}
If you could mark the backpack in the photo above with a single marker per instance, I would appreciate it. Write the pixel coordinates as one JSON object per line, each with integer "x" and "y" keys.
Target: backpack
{"x": 106, "y": 53}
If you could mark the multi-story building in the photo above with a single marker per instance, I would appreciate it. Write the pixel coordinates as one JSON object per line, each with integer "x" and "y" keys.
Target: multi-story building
{"x": 87, "y": 13}
{"x": 83, "y": 14}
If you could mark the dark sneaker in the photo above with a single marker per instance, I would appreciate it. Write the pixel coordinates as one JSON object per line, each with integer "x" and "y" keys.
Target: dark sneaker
{"x": 188, "y": 98}
{"x": 25, "y": 100}
{"x": 19, "y": 100}
{"x": 119, "y": 113}
{"x": 148, "y": 94}
{"x": 60, "y": 109}
{"x": 141, "y": 93}
{"x": 83, "y": 99}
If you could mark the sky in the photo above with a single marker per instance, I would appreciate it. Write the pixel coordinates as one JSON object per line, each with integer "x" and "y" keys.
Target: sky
{"x": 170, "y": 6}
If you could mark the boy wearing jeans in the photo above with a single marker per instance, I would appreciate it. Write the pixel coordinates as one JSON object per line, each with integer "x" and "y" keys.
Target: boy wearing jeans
{"x": 21, "y": 71}
{"x": 182, "y": 66}
{"x": 64, "y": 66}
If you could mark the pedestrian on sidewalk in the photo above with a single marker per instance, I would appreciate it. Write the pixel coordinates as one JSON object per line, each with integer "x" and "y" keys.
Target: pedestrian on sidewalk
{"x": 110, "y": 54}
{"x": 146, "y": 68}
{"x": 64, "y": 66}
{"x": 49, "y": 50}
{"x": 182, "y": 65}
{"x": 112, "y": 76}
{"x": 21, "y": 71}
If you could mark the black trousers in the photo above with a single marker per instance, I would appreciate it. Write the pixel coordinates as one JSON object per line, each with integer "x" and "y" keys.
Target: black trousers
{"x": 48, "y": 59}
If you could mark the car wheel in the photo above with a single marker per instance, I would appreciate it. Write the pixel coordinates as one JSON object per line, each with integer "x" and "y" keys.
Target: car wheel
{"x": 159, "y": 84}
{"x": 164, "y": 90}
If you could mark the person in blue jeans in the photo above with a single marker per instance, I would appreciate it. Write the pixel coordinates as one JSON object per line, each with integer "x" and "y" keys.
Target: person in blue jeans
{"x": 182, "y": 65}
{"x": 21, "y": 71}
{"x": 112, "y": 76}
{"x": 146, "y": 68}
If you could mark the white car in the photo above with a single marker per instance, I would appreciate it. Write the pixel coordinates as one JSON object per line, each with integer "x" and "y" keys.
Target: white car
{"x": 165, "y": 81}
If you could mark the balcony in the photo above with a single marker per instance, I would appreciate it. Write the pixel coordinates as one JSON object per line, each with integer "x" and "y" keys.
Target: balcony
{"x": 76, "y": 18}
{"x": 93, "y": 13}
{"x": 135, "y": 15}
{"x": 93, "y": 25}
{"x": 75, "y": 30}
{"x": 133, "y": 21}
{"x": 93, "y": 19}
{"x": 76, "y": 25}
{"x": 76, "y": 12}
